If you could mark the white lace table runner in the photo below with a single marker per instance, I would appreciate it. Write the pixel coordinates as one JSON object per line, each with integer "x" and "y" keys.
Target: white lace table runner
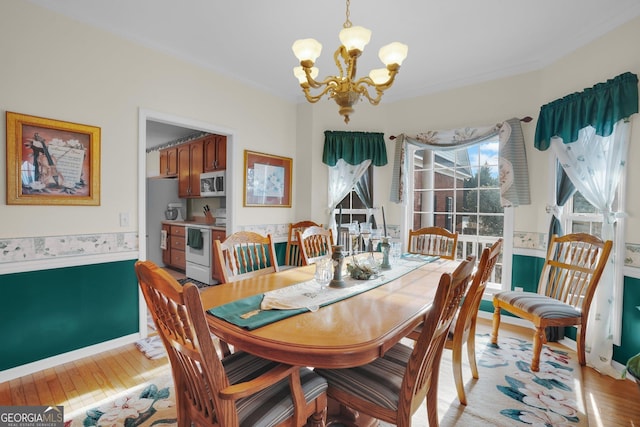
{"x": 308, "y": 294}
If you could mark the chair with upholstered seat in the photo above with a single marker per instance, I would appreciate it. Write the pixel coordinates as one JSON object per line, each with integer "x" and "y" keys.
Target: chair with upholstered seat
{"x": 391, "y": 388}
{"x": 315, "y": 244}
{"x": 463, "y": 327}
{"x": 293, "y": 255}
{"x": 237, "y": 390}
{"x": 245, "y": 254}
{"x": 570, "y": 275}
{"x": 434, "y": 241}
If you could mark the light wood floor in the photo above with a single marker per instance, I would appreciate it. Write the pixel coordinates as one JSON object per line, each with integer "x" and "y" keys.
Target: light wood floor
{"x": 81, "y": 384}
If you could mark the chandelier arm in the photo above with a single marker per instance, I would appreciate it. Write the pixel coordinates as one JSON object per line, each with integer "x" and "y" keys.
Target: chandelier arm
{"x": 382, "y": 86}
{"x": 364, "y": 90}
{"x": 315, "y": 98}
{"x": 341, "y": 52}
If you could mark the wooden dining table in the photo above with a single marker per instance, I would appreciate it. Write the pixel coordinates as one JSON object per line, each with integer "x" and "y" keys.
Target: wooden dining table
{"x": 347, "y": 333}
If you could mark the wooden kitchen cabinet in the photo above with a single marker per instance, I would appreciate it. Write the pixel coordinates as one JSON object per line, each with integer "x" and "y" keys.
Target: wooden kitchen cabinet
{"x": 169, "y": 162}
{"x": 216, "y": 235}
{"x": 177, "y": 246}
{"x": 190, "y": 166}
{"x": 215, "y": 153}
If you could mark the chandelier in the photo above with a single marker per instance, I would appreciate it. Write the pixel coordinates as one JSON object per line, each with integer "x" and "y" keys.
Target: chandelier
{"x": 345, "y": 89}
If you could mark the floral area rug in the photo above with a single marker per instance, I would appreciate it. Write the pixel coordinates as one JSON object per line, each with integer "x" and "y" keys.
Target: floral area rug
{"x": 150, "y": 404}
{"x": 507, "y": 393}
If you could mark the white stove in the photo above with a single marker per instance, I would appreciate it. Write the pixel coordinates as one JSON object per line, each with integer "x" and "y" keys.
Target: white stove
{"x": 198, "y": 257}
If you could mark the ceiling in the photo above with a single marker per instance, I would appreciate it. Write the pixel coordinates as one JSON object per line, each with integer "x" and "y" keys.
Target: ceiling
{"x": 451, "y": 43}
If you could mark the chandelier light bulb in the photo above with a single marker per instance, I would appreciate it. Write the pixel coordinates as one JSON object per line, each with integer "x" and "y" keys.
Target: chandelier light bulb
{"x": 355, "y": 38}
{"x": 301, "y": 75}
{"x": 307, "y": 49}
{"x": 379, "y": 75}
{"x": 393, "y": 53}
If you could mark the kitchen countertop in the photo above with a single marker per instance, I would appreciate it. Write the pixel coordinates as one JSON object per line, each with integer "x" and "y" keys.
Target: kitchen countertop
{"x": 195, "y": 224}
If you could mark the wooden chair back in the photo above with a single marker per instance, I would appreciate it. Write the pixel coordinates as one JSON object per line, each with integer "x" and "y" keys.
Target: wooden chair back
{"x": 434, "y": 241}
{"x": 573, "y": 268}
{"x": 570, "y": 275}
{"x": 204, "y": 393}
{"x": 421, "y": 376}
{"x": 394, "y": 386}
{"x": 197, "y": 371}
{"x": 315, "y": 243}
{"x": 463, "y": 330}
{"x": 293, "y": 254}
{"x": 245, "y": 254}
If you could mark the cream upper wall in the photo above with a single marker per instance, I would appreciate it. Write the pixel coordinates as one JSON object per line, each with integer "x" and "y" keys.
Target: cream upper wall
{"x": 60, "y": 69}
{"x": 493, "y": 102}
{"x": 64, "y": 70}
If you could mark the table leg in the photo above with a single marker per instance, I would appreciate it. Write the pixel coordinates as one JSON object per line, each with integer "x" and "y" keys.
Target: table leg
{"x": 340, "y": 415}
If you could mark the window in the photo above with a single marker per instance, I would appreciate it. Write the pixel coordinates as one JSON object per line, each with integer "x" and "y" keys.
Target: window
{"x": 460, "y": 190}
{"x": 353, "y": 208}
{"x": 582, "y": 217}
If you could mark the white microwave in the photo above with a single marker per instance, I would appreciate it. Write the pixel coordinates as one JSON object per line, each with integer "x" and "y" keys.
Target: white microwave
{"x": 212, "y": 184}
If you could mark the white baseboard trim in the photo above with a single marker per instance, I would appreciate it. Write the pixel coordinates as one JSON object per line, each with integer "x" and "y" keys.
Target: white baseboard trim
{"x": 30, "y": 368}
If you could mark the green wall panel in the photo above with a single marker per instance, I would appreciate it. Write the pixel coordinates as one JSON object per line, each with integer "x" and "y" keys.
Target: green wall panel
{"x": 281, "y": 252}
{"x": 630, "y": 341}
{"x": 55, "y": 311}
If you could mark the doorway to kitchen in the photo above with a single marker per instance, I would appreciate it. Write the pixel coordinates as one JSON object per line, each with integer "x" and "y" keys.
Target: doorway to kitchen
{"x": 174, "y": 126}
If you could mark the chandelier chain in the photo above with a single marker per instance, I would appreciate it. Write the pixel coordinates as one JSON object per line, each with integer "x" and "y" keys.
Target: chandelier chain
{"x": 347, "y": 22}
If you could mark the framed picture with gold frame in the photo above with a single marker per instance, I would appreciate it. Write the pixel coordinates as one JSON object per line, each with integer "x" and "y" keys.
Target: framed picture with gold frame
{"x": 52, "y": 162}
{"x": 267, "y": 180}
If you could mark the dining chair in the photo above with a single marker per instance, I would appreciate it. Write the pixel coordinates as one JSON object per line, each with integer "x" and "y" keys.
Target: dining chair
{"x": 293, "y": 257}
{"x": 392, "y": 387}
{"x": 245, "y": 254}
{"x": 237, "y": 390}
{"x": 435, "y": 241}
{"x": 463, "y": 326}
{"x": 315, "y": 244}
{"x": 570, "y": 275}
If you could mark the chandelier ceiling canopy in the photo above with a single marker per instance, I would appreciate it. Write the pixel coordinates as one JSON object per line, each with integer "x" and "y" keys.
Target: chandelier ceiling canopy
{"x": 344, "y": 88}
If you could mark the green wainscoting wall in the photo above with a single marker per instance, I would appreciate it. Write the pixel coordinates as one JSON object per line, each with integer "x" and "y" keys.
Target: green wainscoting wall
{"x": 526, "y": 273}
{"x": 51, "y": 312}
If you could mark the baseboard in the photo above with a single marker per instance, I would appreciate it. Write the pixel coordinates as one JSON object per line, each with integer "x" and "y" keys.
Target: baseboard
{"x": 30, "y": 368}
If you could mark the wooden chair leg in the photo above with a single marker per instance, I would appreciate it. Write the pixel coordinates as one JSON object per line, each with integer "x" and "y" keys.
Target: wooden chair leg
{"x": 496, "y": 326}
{"x": 538, "y": 339}
{"x": 580, "y": 338}
{"x": 471, "y": 354}
{"x": 457, "y": 373}
{"x": 432, "y": 399}
{"x": 318, "y": 419}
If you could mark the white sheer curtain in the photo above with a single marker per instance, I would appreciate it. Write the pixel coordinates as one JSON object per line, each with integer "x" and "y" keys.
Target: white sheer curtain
{"x": 342, "y": 178}
{"x": 595, "y": 164}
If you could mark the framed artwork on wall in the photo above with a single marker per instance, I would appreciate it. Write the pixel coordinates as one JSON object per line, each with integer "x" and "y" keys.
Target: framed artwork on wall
{"x": 52, "y": 162}
{"x": 267, "y": 180}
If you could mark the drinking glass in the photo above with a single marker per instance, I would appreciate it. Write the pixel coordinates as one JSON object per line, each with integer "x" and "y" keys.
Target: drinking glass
{"x": 365, "y": 232}
{"x": 376, "y": 235}
{"x": 324, "y": 272}
{"x": 354, "y": 234}
{"x": 395, "y": 252}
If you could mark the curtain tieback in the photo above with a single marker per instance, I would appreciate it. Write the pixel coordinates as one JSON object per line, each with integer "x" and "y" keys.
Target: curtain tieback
{"x": 554, "y": 210}
{"x": 611, "y": 217}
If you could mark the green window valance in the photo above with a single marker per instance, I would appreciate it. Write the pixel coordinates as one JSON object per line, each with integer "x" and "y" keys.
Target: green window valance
{"x": 354, "y": 148}
{"x": 600, "y": 106}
